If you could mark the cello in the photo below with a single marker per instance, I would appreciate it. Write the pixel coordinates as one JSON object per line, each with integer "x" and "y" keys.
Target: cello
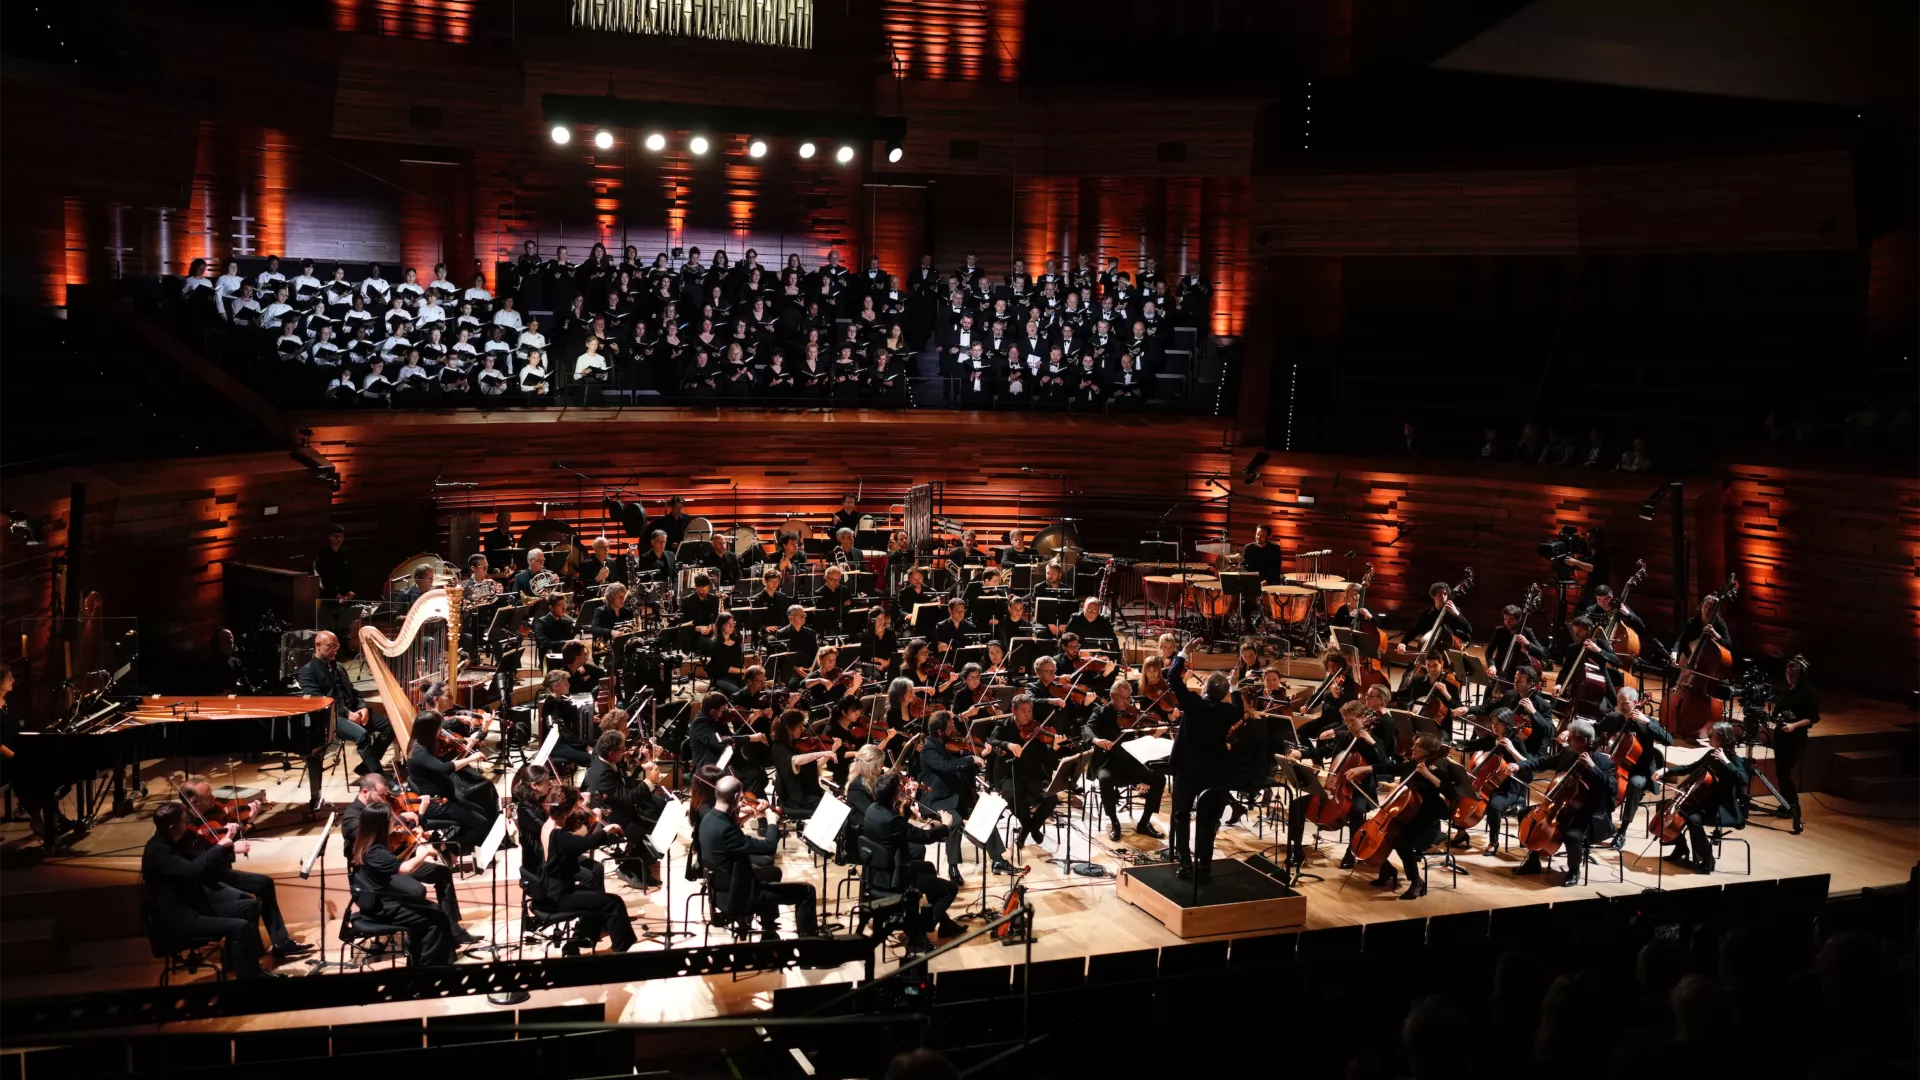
{"x": 1540, "y": 830}
{"x": 1690, "y": 708}
{"x": 1373, "y": 841}
{"x": 1489, "y": 771}
{"x": 1690, "y": 799}
{"x": 1330, "y": 810}
{"x": 1625, "y": 750}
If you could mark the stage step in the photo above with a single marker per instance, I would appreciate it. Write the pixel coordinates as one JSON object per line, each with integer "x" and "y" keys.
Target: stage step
{"x": 28, "y": 945}
{"x": 1876, "y": 789}
{"x": 80, "y": 912}
{"x": 1867, "y": 764}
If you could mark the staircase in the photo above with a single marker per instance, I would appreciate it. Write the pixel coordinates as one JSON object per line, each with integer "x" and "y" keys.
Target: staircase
{"x": 1873, "y": 776}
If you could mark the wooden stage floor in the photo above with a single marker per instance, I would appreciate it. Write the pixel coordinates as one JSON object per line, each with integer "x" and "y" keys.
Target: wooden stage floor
{"x": 88, "y": 893}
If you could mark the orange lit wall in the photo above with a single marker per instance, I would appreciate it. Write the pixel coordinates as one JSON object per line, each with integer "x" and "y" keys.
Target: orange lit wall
{"x": 956, "y": 40}
{"x": 422, "y": 20}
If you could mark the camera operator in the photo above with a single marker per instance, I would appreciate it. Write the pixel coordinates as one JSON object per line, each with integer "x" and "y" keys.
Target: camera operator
{"x": 1791, "y": 713}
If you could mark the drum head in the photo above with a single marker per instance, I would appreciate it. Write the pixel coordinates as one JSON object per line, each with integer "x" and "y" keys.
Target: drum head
{"x": 745, "y": 539}
{"x": 699, "y": 530}
{"x": 402, "y": 575}
{"x": 867, "y": 523}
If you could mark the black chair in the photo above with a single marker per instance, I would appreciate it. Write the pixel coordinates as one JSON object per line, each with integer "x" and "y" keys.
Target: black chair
{"x": 879, "y": 906}
{"x": 543, "y": 925}
{"x": 367, "y": 939}
{"x": 183, "y": 952}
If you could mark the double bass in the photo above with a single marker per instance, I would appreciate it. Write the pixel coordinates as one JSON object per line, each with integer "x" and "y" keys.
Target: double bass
{"x": 1528, "y": 605}
{"x": 1438, "y": 631}
{"x": 1616, "y": 633}
{"x": 1690, "y": 708}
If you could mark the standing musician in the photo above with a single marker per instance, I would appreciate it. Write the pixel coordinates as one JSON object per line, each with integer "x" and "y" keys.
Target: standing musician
{"x": 772, "y": 601}
{"x": 1202, "y": 772}
{"x": 1709, "y": 624}
{"x": 1362, "y": 757}
{"x": 673, "y": 523}
{"x": 798, "y": 792}
{"x": 1529, "y": 652}
{"x": 633, "y": 803}
{"x": 658, "y": 558}
{"x": 1590, "y": 821}
{"x": 1114, "y": 767}
{"x": 182, "y": 895}
{"x": 847, "y": 518}
{"x": 1510, "y": 798}
{"x": 553, "y": 630}
{"x": 1652, "y": 738}
{"x": 373, "y": 789}
{"x": 558, "y": 710}
{"x": 948, "y": 771}
{"x": 798, "y": 639}
{"x": 322, "y": 676}
{"x": 952, "y": 634}
{"x": 727, "y": 853}
{"x": 879, "y": 644}
{"x": 1790, "y": 714}
{"x": 385, "y": 890}
{"x": 724, "y": 564}
{"x": 1093, "y": 626}
{"x": 1444, "y": 612}
{"x": 568, "y": 837}
{"x": 1025, "y": 779}
{"x": 463, "y": 804}
{"x": 1436, "y": 781}
{"x": 832, "y": 602}
{"x": 886, "y": 826}
{"x": 1725, "y": 800}
{"x": 1263, "y": 557}
{"x": 202, "y": 808}
{"x": 1249, "y": 755}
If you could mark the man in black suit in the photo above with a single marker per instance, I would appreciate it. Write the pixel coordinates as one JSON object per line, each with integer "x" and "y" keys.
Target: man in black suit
{"x": 724, "y": 563}
{"x": 634, "y": 807}
{"x": 552, "y": 631}
{"x": 322, "y": 676}
{"x": 727, "y": 853}
{"x": 905, "y": 864}
{"x": 183, "y": 895}
{"x": 955, "y": 341}
{"x": 1202, "y": 771}
{"x": 404, "y": 597}
{"x": 659, "y": 557}
{"x": 947, "y": 785}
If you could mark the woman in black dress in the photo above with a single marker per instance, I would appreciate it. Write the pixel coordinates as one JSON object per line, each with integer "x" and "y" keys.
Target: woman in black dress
{"x": 569, "y": 834}
{"x": 384, "y": 892}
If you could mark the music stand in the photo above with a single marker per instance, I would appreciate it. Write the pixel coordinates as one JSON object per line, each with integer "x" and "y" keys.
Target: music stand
{"x": 1066, "y": 777}
{"x": 822, "y": 836}
{"x": 981, "y": 825}
{"x": 1023, "y": 652}
{"x": 673, "y": 816}
{"x": 484, "y": 859}
{"x": 1305, "y": 780}
{"x": 1063, "y": 606}
{"x": 319, "y": 855}
{"x": 547, "y": 745}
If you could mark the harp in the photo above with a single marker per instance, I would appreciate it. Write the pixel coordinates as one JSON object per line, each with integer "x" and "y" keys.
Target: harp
{"x": 425, "y": 648}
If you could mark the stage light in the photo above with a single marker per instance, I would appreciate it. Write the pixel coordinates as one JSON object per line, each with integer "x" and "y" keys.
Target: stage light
{"x": 806, "y": 149}
{"x": 843, "y": 155}
{"x": 603, "y": 139}
{"x": 895, "y": 152}
{"x": 561, "y": 134}
{"x": 757, "y": 148}
{"x": 697, "y": 144}
{"x": 656, "y": 142}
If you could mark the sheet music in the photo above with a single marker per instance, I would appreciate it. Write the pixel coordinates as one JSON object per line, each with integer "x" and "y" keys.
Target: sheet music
{"x": 1148, "y": 748}
{"x": 547, "y": 745}
{"x": 985, "y": 817}
{"x": 673, "y": 817}
{"x": 490, "y": 847}
{"x": 725, "y": 757}
{"x": 823, "y": 828}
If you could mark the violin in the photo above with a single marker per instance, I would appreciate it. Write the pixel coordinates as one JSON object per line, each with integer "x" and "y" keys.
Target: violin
{"x": 457, "y": 746}
{"x": 403, "y": 837}
{"x": 1034, "y": 731}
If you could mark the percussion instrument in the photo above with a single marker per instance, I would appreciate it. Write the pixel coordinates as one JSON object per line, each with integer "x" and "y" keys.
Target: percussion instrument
{"x": 866, "y": 523}
{"x": 1240, "y": 582}
{"x": 1060, "y": 541}
{"x": 1287, "y": 603}
{"x": 1165, "y": 591}
{"x": 746, "y": 539}
{"x": 1173, "y": 567}
{"x": 1215, "y": 549}
{"x": 699, "y": 531}
{"x": 1210, "y": 599}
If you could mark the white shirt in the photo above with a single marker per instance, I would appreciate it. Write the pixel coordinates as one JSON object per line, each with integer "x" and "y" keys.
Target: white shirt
{"x": 342, "y": 382}
{"x": 508, "y": 317}
{"x": 374, "y": 288}
{"x": 266, "y": 278}
{"x": 412, "y": 371}
{"x": 339, "y": 292}
{"x": 246, "y": 304}
{"x": 531, "y": 376}
{"x": 409, "y": 289}
{"x": 430, "y": 312}
{"x": 305, "y": 281}
{"x": 188, "y": 286}
{"x": 274, "y": 311}
{"x": 395, "y": 346}
{"x": 466, "y": 349}
{"x": 589, "y": 361}
{"x": 375, "y": 382}
{"x": 227, "y": 285}
{"x": 324, "y": 352}
{"x": 350, "y": 317}
{"x": 290, "y": 346}
{"x": 476, "y": 293}
{"x": 532, "y": 339}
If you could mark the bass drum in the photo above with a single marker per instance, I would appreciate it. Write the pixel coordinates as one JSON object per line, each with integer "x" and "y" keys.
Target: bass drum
{"x": 746, "y": 539}
{"x": 402, "y": 575}
{"x": 699, "y": 531}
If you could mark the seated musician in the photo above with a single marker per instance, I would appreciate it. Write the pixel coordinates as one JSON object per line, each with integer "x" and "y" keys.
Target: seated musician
{"x": 1652, "y": 738}
{"x": 1350, "y": 608}
{"x": 1017, "y": 624}
{"x": 708, "y": 733}
{"x": 1592, "y": 819}
{"x": 1436, "y": 780}
{"x": 1114, "y": 768}
{"x": 1056, "y": 697}
{"x": 1532, "y": 710}
{"x": 796, "y": 776}
{"x": 1016, "y": 553}
{"x": 1528, "y": 652}
{"x": 372, "y": 789}
{"x": 385, "y": 890}
{"x": 1501, "y": 737}
{"x": 1707, "y": 623}
{"x": 403, "y": 598}
{"x": 1074, "y": 664}
{"x": 726, "y": 657}
{"x": 196, "y": 793}
{"x": 798, "y": 640}
{"x": 847, "y": 517}
{"x": 1053, "y": 584}
{"x": 1359, "y": 756}
{"x": 971, "y": 694}
{"x": 1606, "y": 604}
{"x": 990, "y": 584}
{"x": 699, "y": 611}
{"x": 557, "y": 710}
{"x": 828, "y": 683}
{"x": 1024, "y": 784}
{"x": 1249, "y": 753}
{"x": 904, "y": 864}
{"x": 771, "y": 602}
{"x": 949, "y": 775}
{"x": 322, "y": 676}
{"x": 1725, "y": 805}
{"x": 583, "y": 675}
{"x": 724, "y": 564}
{"x": 459, "y": 805}
{"x": 832, "y": 601}
{"x": 911, "y": 597}
{"x": 595, "y": 567}
{"x": 657, "y": 560}
{"x": 844, "y": 554}
{"x": 1095, "y": 630}
{"x": 863, "y": 773}
{"x": 751, "y": 729}
{"x": 953, "y": 633}
{"x": 1337, "y": 688}
{"x": 553, "y": 630}
{"x": 569, "y": 835}
{"x": 1580, "y": 650}
{"x": 790, "y": 557}
{"x": 1444, "y": 612}
{"x": 523, "y": 581}
{"x": 727, "y": 853}
{"x": 182, "y": 895}
{"x": 879, "y": 644}
{"x": 1431, "y": 680}
{"x": 608, "y": 616}
{"x": 633, "y": 803}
